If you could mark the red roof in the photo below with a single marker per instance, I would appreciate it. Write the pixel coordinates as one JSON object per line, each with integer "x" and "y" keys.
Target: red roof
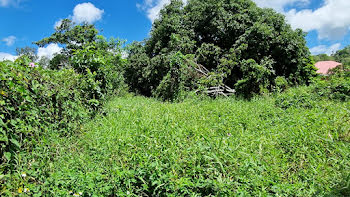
{"x": 324, "y": 66}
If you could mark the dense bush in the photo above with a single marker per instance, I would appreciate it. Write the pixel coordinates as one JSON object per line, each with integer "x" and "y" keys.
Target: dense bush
{"x": 336, "y": 86}
{"x": 242, "y": 45}
{"x": 343, "y": 56}
{"x": 103, "y": 59}
{"x": 301, "y": 97}
{"x": 34, "y": 100}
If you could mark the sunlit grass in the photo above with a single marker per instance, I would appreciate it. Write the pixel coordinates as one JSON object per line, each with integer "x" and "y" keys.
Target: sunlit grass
{"x": 222, "y": 147}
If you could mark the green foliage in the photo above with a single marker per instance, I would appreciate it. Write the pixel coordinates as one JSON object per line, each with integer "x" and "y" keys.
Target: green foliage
{"x": 295, "y": 143}
{"x": 281, "y": 84}
{"x": 343, "y": 56}
{"x": 73, "y": 37}
{"x": 180, "y": 79}
{"x": 230, "y": 38}
{"x": 89, "y": 54}
{"x": 59, "y": 61}
{"x": 34, "y": 101}
{"x": 222, "y": 147}
{"x": 29, "y": 52}
{"x": 103, "y": 59}
{"x": 255, "y": 77}
{"x": 301, "y": 97}
{"x": 323, "y": 57}
{"x": 336, "y": 87}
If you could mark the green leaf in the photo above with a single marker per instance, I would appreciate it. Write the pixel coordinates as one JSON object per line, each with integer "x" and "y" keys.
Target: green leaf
{"x": 3, "y": 137}
{"x": 15, "y": 142}
{"x": 7, "y": 156}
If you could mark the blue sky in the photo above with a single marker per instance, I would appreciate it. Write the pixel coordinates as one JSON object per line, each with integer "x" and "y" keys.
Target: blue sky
{"x": 24, "y": 21}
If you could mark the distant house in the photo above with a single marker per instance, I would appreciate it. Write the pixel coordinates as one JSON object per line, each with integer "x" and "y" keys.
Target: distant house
{"x": 325, "y": 66}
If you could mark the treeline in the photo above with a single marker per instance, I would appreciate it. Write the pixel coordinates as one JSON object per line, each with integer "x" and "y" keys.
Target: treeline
{"x": 341, "y": 56}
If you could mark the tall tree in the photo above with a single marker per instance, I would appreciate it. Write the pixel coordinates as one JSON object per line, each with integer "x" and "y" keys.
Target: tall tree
{"x": 232, "y": 38}
{"x": 72, "y": 37}
{"x": 343, "y": 56}
{"x": 30, "y": 52}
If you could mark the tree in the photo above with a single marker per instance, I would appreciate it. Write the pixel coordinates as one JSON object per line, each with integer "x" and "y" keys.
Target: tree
{"x": 72, "y": 37}
{"x": 343, "y": 56}
{"x": 30, "y": 52}
{"x": 323, "y": 57}
{"x": 44, "y": 62}
{"x": 98, "y": 59}
{"x": 228, "y": 37}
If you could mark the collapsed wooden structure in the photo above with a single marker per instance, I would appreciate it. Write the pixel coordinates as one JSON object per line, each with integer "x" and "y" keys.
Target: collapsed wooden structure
{"x": 221, "y": 89}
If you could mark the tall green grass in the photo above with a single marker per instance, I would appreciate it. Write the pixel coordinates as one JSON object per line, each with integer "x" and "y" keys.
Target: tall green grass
{"x": 223, "y": 147}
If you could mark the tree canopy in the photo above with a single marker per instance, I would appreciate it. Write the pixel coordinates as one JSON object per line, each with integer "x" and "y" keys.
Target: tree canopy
{"x": 323, "y": 57}
{"x": 71, "y": 35}
{"x": 80, "y": 40}
{"x": 30, "y": 52}
{"x": 242, "y": 46}
{"x": 342, "y": 56}
{"x": 89, "y": 54}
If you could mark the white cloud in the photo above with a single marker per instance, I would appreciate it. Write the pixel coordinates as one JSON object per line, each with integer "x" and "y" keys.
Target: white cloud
{"x": 323, "y": 49}
{"x": 87, "y": 12}
{"x": 6, "y": 3}
{"x": 153, "y": 7}
{"x": 57, "y": 23}
{"x": 279, "y": 5}
{"x": 331, "y": 21}
{"x": 49, "y": 51}
{"x": 84, "y": 12}
{"x": 9, "y": 41}
{"x": 7, "y": 56}
{"x": 153, "y": 12}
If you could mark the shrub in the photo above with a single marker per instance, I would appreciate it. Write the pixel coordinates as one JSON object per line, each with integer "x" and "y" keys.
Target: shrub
{"x": 256, "y": 77}
{"x": 34, "y": 100}
{"x": 301, "y": 97}
{"x": 336, "y": 86}
{"x": 281, "y": 84}
{"x": 102, "y": 61}
{"x": 180, "y": 78}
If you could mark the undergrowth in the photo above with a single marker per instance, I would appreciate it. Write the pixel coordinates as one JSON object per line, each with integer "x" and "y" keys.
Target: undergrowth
{"x": 199, "y": 147}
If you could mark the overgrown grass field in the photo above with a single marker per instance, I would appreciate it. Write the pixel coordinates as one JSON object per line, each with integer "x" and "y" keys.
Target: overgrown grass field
{"x": 199, "y": 147}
